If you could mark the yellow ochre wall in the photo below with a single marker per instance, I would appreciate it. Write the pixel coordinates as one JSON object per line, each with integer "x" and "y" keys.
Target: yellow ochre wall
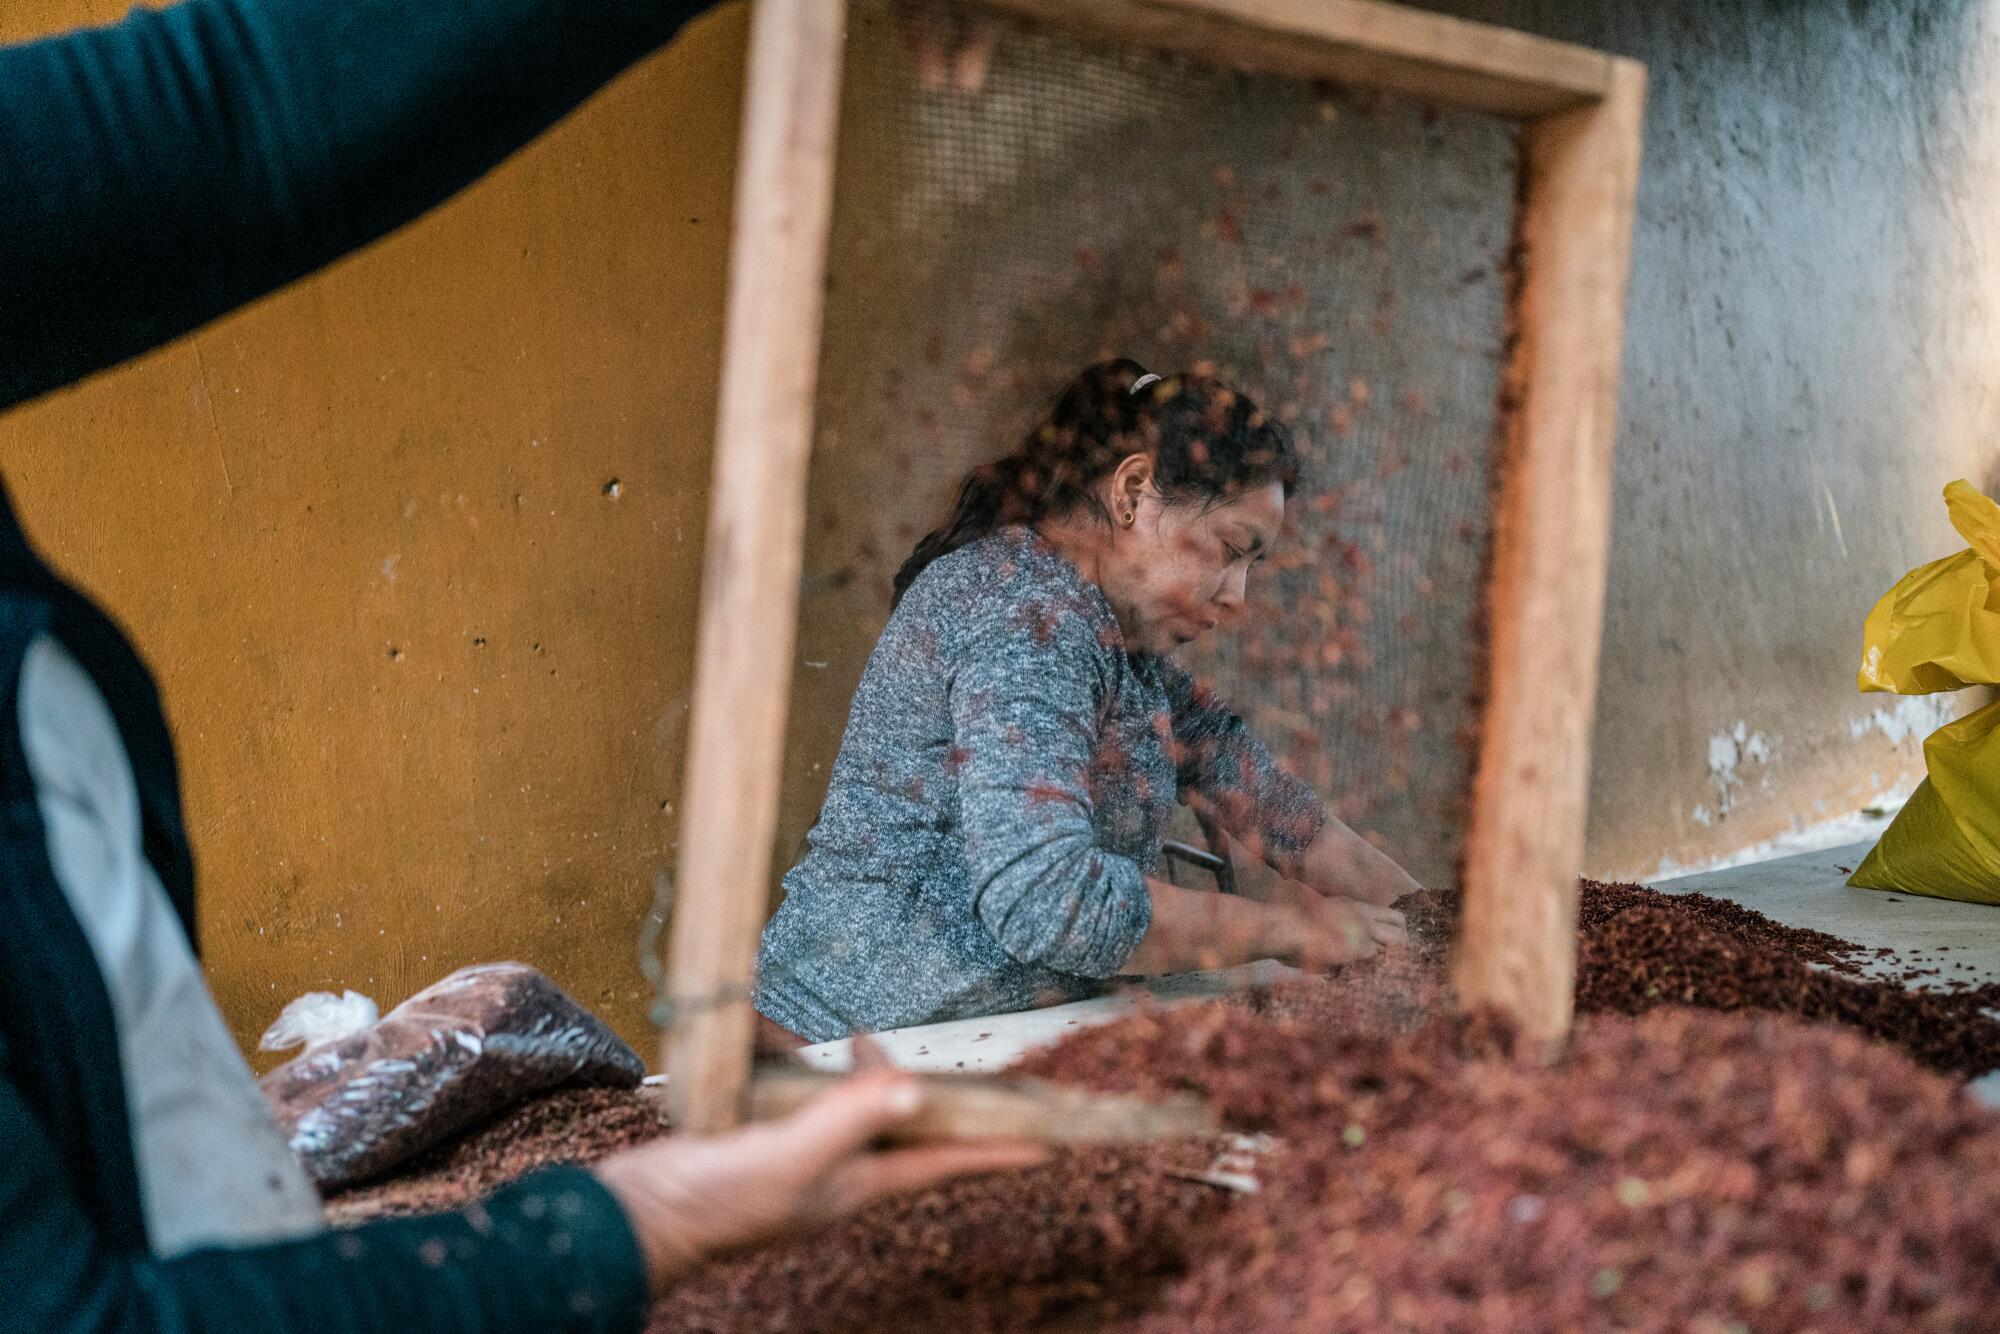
{"x": 428, "y": 665}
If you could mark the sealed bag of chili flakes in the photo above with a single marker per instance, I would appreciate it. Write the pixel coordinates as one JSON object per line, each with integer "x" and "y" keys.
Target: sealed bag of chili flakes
{"x": 361, "y": 1099}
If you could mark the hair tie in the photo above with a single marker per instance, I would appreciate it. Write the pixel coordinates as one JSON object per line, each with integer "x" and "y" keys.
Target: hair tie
{"x": 1142, "y": 382}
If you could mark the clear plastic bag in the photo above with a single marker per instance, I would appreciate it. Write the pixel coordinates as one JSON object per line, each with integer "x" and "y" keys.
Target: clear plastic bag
{"x": 458, "y": 1052}
{"x": 317, "y": 1018}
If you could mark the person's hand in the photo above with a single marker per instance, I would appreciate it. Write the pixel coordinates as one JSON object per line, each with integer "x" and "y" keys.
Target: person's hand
{"x": 1339, "y": 865}
{"x": 1333, "y": 931}
{"x": 692, "y": 1199}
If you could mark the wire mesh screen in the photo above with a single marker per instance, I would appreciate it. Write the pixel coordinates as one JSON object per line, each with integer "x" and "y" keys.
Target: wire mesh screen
{"x": 1342, "y": 258}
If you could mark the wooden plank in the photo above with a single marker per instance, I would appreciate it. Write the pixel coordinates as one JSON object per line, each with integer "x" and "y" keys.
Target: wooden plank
{"x": 1434, "y": 57}
{"x": 975, "y": 1107}
{"x": 1517, "y": 944}
{"x": 749, "y": 607}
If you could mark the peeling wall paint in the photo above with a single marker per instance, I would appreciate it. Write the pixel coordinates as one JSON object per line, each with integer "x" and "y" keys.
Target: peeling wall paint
{"x": 1727, "y": 750}
{"x": 1910, "y": 716}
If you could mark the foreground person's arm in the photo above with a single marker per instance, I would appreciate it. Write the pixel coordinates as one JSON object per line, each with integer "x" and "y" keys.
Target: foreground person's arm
{"x": 552, "y": 1253}
{"x": 173, "y": 166}
{"x": 565, "y": 1251}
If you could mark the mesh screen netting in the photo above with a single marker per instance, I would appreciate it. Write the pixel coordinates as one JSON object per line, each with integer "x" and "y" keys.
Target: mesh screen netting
{"x": 1342, "y": 258}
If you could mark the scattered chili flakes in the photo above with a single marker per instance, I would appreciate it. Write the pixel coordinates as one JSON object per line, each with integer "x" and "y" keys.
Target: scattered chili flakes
{"x": 1681, "y": 1168}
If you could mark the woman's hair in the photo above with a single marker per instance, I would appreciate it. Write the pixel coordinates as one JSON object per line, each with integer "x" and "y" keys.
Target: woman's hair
{"x": 1208, "y": 443}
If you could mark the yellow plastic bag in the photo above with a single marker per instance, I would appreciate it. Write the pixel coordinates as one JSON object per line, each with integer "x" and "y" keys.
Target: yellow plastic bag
{"x": 1939, "y": 627}
{"x": 1945, "y": 842}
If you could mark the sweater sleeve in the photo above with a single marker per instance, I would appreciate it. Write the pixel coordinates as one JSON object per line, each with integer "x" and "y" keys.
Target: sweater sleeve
{"x": 1229, "y": 774}
{"x": 553, "y": 1252}
{"x": 169, "y": 168}
{"x": 1024, "y": 715}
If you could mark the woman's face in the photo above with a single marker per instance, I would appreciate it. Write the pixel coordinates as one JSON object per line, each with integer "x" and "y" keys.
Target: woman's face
{"x": 1177, "y": 572}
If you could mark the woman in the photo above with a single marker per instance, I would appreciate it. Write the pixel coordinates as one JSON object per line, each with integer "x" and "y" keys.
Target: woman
{"x": 156, "y": 174}
{"x": 1020, "y": 736}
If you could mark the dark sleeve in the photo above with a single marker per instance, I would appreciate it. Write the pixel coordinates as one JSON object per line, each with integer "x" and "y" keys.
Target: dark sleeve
{"x": 551, "y": 1253}
{"x": 160, "y": 172}
{"x": 1228, "y": 774}
{"x": 1024, "y": 723}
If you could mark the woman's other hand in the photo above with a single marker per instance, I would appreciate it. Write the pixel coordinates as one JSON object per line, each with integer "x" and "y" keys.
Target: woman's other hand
{"x": 690, "y": 1200}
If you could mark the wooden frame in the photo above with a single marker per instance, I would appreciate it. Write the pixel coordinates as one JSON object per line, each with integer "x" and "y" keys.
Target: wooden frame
{"x": 1581, "y": 112}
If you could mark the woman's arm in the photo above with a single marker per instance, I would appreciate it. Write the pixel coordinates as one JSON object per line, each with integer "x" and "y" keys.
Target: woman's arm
{"x": 1342, "y": 862}
{"x": 1338, "y": 863}
{"x": 1232, "y": 780}
{"x": 1261, "y": 812}
{"x": 1024, "y": 710}
{"x": 173, "y": 166}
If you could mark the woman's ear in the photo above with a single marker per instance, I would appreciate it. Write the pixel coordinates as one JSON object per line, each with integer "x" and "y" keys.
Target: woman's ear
{"x": 1132, "y": 479}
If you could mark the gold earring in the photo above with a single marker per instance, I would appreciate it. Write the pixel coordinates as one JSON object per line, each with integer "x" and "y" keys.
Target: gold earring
{"x": 1130, "y": 518}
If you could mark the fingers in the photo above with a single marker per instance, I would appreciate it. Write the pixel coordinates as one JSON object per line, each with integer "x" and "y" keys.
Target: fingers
{"x": 1335, "y": 953}
{"x": 1383, "y": 926}
{"x": 845, "y": 1119}
{"x": 974, "y": 56}
{"x": 1337, "y": 943}
{"x": 952, "y": 51}
{"x": 868, "y": 1054}
{"x": 1388, "y": 926}
{"x": 867, "y": 1179}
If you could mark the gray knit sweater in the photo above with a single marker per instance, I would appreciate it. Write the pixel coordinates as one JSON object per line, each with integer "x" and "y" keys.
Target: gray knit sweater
{"x": 1000, "y": 794}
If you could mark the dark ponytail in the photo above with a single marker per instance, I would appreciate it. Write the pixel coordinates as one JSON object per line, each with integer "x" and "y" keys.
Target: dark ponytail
{"x": 1208, "y": 442}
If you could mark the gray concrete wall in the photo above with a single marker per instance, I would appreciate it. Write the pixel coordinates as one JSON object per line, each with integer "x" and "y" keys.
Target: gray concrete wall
{"x": 1812, "y": 352}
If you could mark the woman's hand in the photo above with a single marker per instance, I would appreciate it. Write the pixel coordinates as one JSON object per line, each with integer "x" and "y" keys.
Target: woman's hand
{"x": 1329, "y": 932}
{"x": 690, "y": 1200}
